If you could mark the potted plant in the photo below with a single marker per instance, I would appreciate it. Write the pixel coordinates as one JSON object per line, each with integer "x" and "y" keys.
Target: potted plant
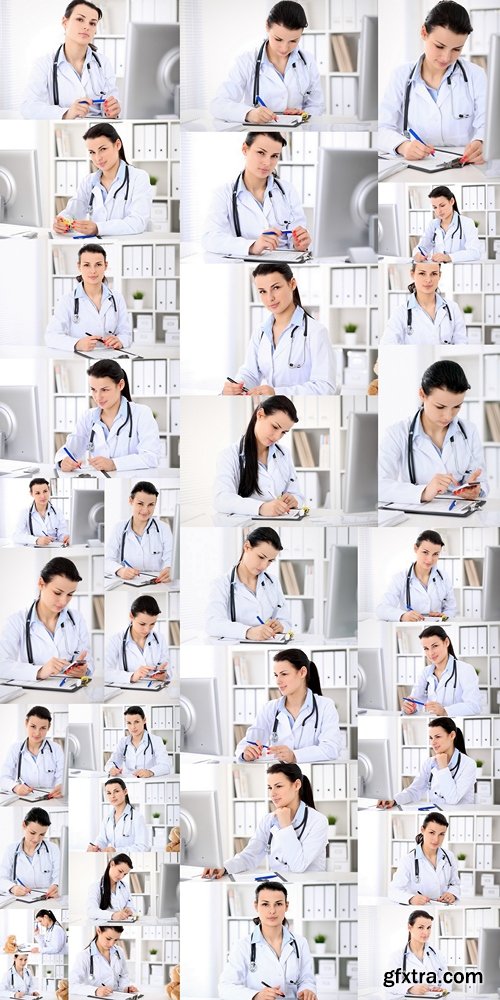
{"x": 468, "y": 310}
{"x": 138, "y": 298}
{"x": 332, "y": 820}
{"x": 155, "y": 815}
{"x": 479, "y": 768}
{"x": 320, "y": 942}
{"x": 476, "y": 223}
{"x": 461, "y": 859}
{"x": 153, "y": 181}
{"x": 350, "y": 334}
{"x": 153, "y": 951}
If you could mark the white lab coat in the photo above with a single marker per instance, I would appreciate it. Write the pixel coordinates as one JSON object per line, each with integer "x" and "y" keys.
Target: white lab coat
{"x": 220, "y": 235}
{"x": 63, "y": 332}
{"x": 279, "y": 476}
{"x": 465, "y": 699}
{"x": 299, "y": 87}
{"x": 12, "y": 982}
{"x": 444, "y": 788}
{"x": 113, "y": 973}
{"x": 54, "y": 523}
{"x": 438, "y": 595}
{"x": 151, "y": 755}
{"x": 141, "y": 451}
{"x": 38, "y": 872}
{"x": 120, "y": 900}
{"x": 128, "y": 834}
{"x": 52, "y": 940}
{"x": 269, "y": 365}
{"x": 293, "y": 975}
{"x": 268, "y": 602}
{"x": 308, "y": 744}
{"x": 456, "y": 456}
{"x": 154, "y": 653}
{"x": 288, "y": 852}
{"x": 433, "y": 961}
{"x": 45, "y": 770}
{"x": 151, "y": 551}
{"x": 432, "y": 881}
{"x": 460, "y": 247}
{"x": 66, "y": 641}
{"x": 434, "y": 121}
{"x": 424, "y": 329}
{"x": 114, "y": 216}
{"x": 95, "y": 82}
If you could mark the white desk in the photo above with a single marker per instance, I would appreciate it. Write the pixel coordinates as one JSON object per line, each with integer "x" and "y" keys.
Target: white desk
{"x": 489, "y": 515}
{"x": 169, "y": 695}
{"x": 198, "y": 120}
{"x": 27, "y": 470}
{"x": 376, "y": 993}
{"x": 316, "y": 516}
{"x": 190, "y": 873}
{"x": 469, "y": 901}
{"x": 469, "y": 174}
{"x": 299, "y": 638}
{"x": 91, "y": 694}
{"x": 365, "y": 803}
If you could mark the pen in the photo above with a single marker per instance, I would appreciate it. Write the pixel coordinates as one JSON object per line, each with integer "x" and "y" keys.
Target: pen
{"x": 452, "y": 505}
{"x": 72, "y": 457}
{"x": 422, "y": 809}
{"x": 252, "y": 744}
{"x": 21, "y": 883}
{"x": 261, "y": 102}
{"x": 125, "y": 563}
{"x": 234, "y": 382}
{"x": 62, "y": 682}
{"x": 414, "y": 702}
{"x": 260, "y": 620}
{"x": 417, "y": 137}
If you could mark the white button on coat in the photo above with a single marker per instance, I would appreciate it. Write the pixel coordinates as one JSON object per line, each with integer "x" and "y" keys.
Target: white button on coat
{"x": 38, "y": 872}
{"x": 279, "y": 476}
{"x": 444, "y": 788}
{"x": 237, "y": 982}
{"x": 114, "y": 216}
{"x": 268, "y": 365}
{"x": 154, "y": 653}
{"x": 128, "y": 834}
{"x": 140, "y": 451}
{"x": 14, "y": 663}
{"x": 150, "y": 755}
{"x": 220, "y": 235}
{"x": 54, "y": 523}
{"x": 424, "y": 329}
{"x": 113, "y": 973}
{"x": 299, "y": 87}
{"x": 460, "y": 246}
{"x": 267, "y": 603}
{"x": 306, "y": 743}
{"x": 433, "y": 882}
{"x": 63, "y": 331}
{"x": 120, "y": 900}
{"x": 45, "y": 770}
{"x": 432, "y": 961}
{"x": 288, "y": 851}
{"x": 151, "y": 551}
{"x": 464, "y": 699}
{"x": 95, "y": 82}
{"x": 438, "y": 595}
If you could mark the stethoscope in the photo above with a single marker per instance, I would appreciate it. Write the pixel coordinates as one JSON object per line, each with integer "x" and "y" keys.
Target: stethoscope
{"x": 128, "y": 420}
{"x": 29, "y": 647}
{"x": 408, "y": 92}
{"x": 236, "y": 216}
{"x": 149, "y": 746}
{"x": 253, "y": 954}
{"x": 452, "y": 677}
{"x": 55, "y": 67}
{"x": 314, "y": 711}
{"x": 411, "y": 459}
{"x": 458, "y": 229}
{"x": 453, "y": 770}
{"x": 31, "y": 512}
{"x": 232, "y": 586}
{"x": 19, "y": 848}
{"x": 120, "y": 886}
{"x": 26, "y": 972}
{"x": 290, "y": 363}
{"x": 124, "y": 646}
{"x": 408, "y": 581}
{"x": 113, "y": 950}
{"x": 299, "y": 830}
{"x": 428, "y": 947}
{"x": 24, "y": 746}
{"x": 258, "y": 63}
{"x": 76, "y": 305}
{"x": 123, "y": 816}
{"x": 417, "y": 865}
{"x": 125, "y": 183}
{"x": 409, "y": 320}
{"x": 241, "y": 457}
{"x": 129, "y": 525}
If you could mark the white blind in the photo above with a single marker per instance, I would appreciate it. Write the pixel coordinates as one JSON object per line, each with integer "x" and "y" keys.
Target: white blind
{"x": 207, "y": 553}
{"x": 7, "y": 85}
{"x": 193, "y": 18}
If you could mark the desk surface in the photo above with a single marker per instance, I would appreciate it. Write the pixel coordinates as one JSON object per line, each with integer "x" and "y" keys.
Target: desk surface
{"x": 298, "y": 639}
{"x": 465, "y": 175}
{"x": 469, "y": 807}
{"x": 487, "y": 516}
{"x": 27, "y": 470}
{"x": 198, "y": 120}
{"x": 316, "y": 517}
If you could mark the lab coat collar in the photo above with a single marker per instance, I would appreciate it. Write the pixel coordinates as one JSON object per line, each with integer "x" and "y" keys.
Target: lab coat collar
{"x": 453, "y": 762}
{"x": 413, "y": 302}
{"x": 120, "y": 176}
{"x": 417, "y": 76}
{"x": 294, "y": 55}
{"x": 63, "y": 616}
{"x": 454, "y": 224}
{"x": 62, "y": 57}
{"x": 242, "y": 188}
{"x": 296, "y": 320}
{"x": 419, "y": 853}
{"x": 121, "y": 414}
{"x": 429, "y": 670}
{"x": 308, "y": 704}
{"x": 80, "y": 292}
{"x": 129, "y": 523}
{"x": 37, "y": 849}
{"x": 452, "y": 429}
{"x": 258, "y": 937}
{"x": 298, "y": 819}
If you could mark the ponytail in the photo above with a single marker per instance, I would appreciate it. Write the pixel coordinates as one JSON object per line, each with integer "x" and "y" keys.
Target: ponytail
{"x": 111, "y": 369}
{"x": 105, "y": 883}
{"x": 263, "y": 270}
{"x": 249, "y": 471}
{"x": 449, "y": 726}
{"x": 293, "y": 773}
{"x": 298, "y": 659}
{"x": 439, "y": 633}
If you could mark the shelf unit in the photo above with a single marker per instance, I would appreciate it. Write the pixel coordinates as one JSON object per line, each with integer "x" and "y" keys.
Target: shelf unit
{"x": 144, "y": 884}
{"x": 480, "y": 202}
{"x": 138, "y": 941}
{"x": 163, "y": 720}
{"x": 458, "y": 938}
{"x": 329, "y": 19}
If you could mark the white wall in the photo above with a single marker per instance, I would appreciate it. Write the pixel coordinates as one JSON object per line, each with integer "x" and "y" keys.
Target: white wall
{"x": 23, "y": 280}
{"x": 207, "y": 553}
{"x": 212, "y": 305}
{"x": 203, "y": 912}
{"x": 208, "y": 426}
{"x": 374, "y": 840}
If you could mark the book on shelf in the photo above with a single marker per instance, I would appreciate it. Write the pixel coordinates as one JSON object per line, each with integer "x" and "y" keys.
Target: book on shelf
{"x": 289, "y": 579}
{"x": 175, "y": 635}
{"x": 472, "y": 955}
{"x": 60, "y": 375}
{"x": 240, "y": 779}
{"x": 303, "y": 450}
{"x": 492, "y": 411}
{"x": 98, "y": 604}
{"x": 471, "y": 573}
{"x": 240, "y": 667}
{"x": 342, "y": 54}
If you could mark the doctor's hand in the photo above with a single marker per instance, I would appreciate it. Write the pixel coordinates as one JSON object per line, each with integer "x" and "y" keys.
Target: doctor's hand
{"x": 306, "y": 995}
{"x": 127, "y": 572}
{"x": 53, "y": 666}
{"x": 141, "y": 674}
{"x": 419, "y": 257}
{"x": 414, "y": 150}
{"x": 284, "y": 816}
{"x": 441, "y": 258}
{"x": 409, "y": 708}
{"x": 78, "y": 669}
{"x": 259, "y": 633}
{"x": 88, "y": 343}
{"x": 132, "y": 989}
{"x": 143, "y": 773}
{"x": 421, "y": 991}
{"x": 438, "y": 484}
{"x": 419, "y": 899}
{"x": 44, "y": 540}
{"x": 252, "y": 752}
{"x": 386, "y": 803}
{"x": 274, "y": 507}
{"x": 260, "y": 390}
{"x": 55, "y": 793}
{"x": 19, "y": 890}
{"x": 260, "y": 116}
{"x": 213, "y": 872}
{"x": 79, "y": 108}
{"x": 290, "y": 500}
{"x": 52, "y": 892}
{"x": 68, "y": 465}
{"x": 114, "y": 771}
{"x": 103, "y": 991}
{"x": 473, "y": 152}
{"x": 111, "y": 108}
{"x": 282, "y": 753}
{"x": 471, "y": 489}
{"x": 269, "y": 993}
{"x": 441, "y": 760}
{"x": 435, "y": 708}
{"x": 234, "y": 389}
{"x": 164, "y": 576}
{"x": 447, "y": 897}
{"x": 412, "y": 616}
{"x": 22, "y": 789}
{"x": 113, "y": 342}
{"x": 102, "y": 464}
{"x": 268, "y": 241}
{"x": 301, "y": 238}
{"x": 85, "y": 227}
{"x": 122, "y": 914}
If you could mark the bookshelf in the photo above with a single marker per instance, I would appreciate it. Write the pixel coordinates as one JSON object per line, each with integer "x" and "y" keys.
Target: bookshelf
{"x": 333, "y": 38}
{"x": 459, "y": 934}
{"x": 150, "y": 951}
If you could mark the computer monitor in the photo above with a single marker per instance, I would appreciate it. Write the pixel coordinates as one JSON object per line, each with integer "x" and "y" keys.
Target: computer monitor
{"x": 63, "y": 875}
{"x": 361, "y": 471}
{"x": 20, "y": 203}
{"x": 341, "y": 610}
{"x": 346, "y": 201}
{"x": 152, "y": 76}
{"x": 81, "y": 747}
{"x": 200, "y": 721}
{"x": 368, "y": 70}
{"x": 87, "y": 516}
{"x": 200, "y": 831}
{"x": 489, "y": 959}
{"x": 374, "y": 769}
{"x": 168, "y": 901}
{"x": 371, "y": 681}
{"x": 492, "y": 131}
{"x": 175, "y": 569}
{"x": 20, "y": 428}
{"x": 491, "y": 584}
{"x": 389, "y": 243}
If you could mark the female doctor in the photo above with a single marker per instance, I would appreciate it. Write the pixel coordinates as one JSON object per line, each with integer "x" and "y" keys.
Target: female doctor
{"x": 293, "y": 838}
{"x": 418, "y": 958}
{"x": 291, "y": 352}
{"x": 257, "y": 212}
{"x": 285, "y": 78}
{"x": 434, "y": 452}
{"x": 441, "y": 98}
{"x": 248, "y": 603}
{"x": 48, "y": 639}
{"x": 116, "y": 199}
{"x": 256, "y": 475}
{"x": 76, "y": 81}
{"x": 143, "y": 543}
{"x": 118, "y": 434}
{"x": 92, "y": 315}
{"x": 49, "y": 934}
{"x": 33, "y": 862}
{"x": 141, "y": 754}
{"x": 18, "y": 981}
{"x": 446, "y": 686}
{"x": 35, "y": 762}
{"x": 123, "y": 828}
{"x": 101, "y": 966}
{"x": 41, "y": 523}
{"x": 447, "y": 778}
{"x": 422, "y": 590}
{"x": 299, "y": 726}
{"x": 139, "y": 653}
{"x": 270, "y": 962}
{"x": 450, "y": 236}
{"x": 426, "y": 317}
{"x": 428, "y": 874}
{"x": 109, "y": 899}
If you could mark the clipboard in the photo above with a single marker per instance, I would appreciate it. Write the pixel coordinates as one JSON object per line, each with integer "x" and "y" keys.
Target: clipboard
{"x": 143, "y": 685}
{"x": 100, "y": 353}
{"x": 51, "y": 684}
{"x": 438, "y": 508}
{"x": 282, "y": 641}
{"x": 448, "y": 160}
{"x": 294, "y": 515}
{"x": 282, "y": 121}
{"x": 277, "y": 256}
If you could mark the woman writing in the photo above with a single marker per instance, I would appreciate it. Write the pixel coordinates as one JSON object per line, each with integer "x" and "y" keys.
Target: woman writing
{"x": 41, "y": 523}
{"x": 91, "y": 316}
{"x": 33, "y": 862}
{"x": 428, "y": 874}
{"x": 450, "y": 236}
{"x": 435, "y": 452}
{"x": 256, "y": 475}
{"x": 248, "y": 603}
{"x": 18, "y": 981}
{"x": 143, "y": 543}
{"x": 109, "y": 899}
{"x": 50, "y": 936}
{"x": 140, "y": 754}
{"x": 423, "y": 589}
{"x": 101, "y": 966}
{"x": 117, "y": 433}
{"x": 299, "y": 726}
{"x": 448, "y": 777}
{"x": 291, "y": 352}
{"x": 446, "y": 686}
{"x": 123, "y": 828}
{"x": 140, "y": 653}
{"x": 425, "y": 965}
{"x": 441, "y": 99}
{"x": 291, "y": 838}
{"x": 76, "y": 81}
{"x": 48, "y": 640}
{"x": 270, "y": 955}
{"x": 116, "y": 199}
{"x": 426, "y": 317}
{"x": 277, "y": 77}
{"x": 257, "y": 212}
{"x": 36, "y": 761}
